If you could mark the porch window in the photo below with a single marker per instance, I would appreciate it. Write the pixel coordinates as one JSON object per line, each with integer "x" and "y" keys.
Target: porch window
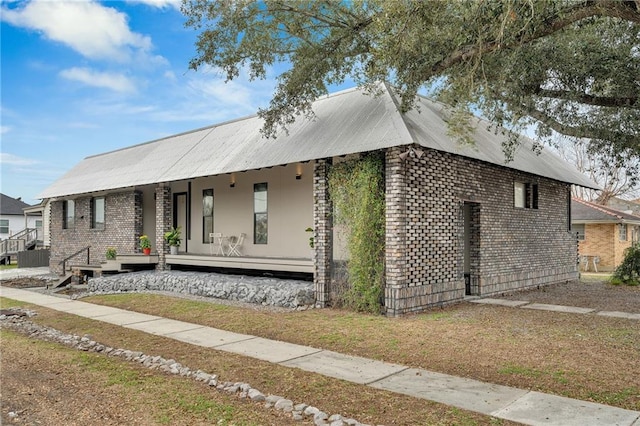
{"x": 577, "y": 229}
{"x": 207, "y": 214}
{"x": 260, "y": 213}
{"x": 525, "y": 195}
{"x": 97, "y": 213}
{"x": 4, "y": 226}
{"x": 68, "y": 214}
{"x": 623, "y": 231}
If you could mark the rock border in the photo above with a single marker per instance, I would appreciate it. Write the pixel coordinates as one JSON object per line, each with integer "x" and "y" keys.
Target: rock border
{"x": 16, "y": 319}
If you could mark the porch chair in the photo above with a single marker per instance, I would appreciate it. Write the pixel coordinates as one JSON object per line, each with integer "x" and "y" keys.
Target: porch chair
{"x": 235, "y": 244}
{"x": 215, "y": 243}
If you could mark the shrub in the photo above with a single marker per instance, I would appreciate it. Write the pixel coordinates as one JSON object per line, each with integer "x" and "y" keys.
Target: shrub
{"x": 628, "y": 272}
{"x": 356, "y": 188}
{"x": 111, "y": 253}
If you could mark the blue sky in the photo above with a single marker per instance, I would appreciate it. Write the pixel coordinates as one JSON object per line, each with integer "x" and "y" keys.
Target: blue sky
{"x": 84, "y": 77}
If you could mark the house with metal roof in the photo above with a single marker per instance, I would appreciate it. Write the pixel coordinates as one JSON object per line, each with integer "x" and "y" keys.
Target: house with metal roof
{"x": 603, "y": 233}
{"x": 459, "y": 219}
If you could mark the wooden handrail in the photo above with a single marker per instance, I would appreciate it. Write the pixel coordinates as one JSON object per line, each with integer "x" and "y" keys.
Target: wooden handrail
{"x": 19, "y": 241}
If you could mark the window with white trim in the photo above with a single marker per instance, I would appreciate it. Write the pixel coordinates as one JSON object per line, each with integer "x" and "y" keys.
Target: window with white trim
{"x": 622, "y": 231}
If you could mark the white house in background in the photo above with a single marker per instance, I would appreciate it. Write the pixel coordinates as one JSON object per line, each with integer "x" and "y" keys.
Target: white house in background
{"x": 14, "y": 219}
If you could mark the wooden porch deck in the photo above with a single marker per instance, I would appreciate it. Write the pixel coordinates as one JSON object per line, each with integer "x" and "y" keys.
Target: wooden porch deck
{"x": 242, "y": 262}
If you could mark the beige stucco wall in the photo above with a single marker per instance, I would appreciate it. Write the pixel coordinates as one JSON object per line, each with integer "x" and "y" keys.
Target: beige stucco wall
{"x": 148, "y": 211}
{"x": 290, "y": 210}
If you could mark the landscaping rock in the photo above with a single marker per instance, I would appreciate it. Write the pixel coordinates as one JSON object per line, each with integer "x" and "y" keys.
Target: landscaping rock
{"x": 263, "y": 291}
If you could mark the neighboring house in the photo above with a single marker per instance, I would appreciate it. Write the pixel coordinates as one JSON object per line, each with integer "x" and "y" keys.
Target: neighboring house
{"x": 458, "y": 219}
{"x": 603, "y": 234}
{"x": 18, "y": 228}
{"x": 42, "y": 213}
{"x": 12, "y": 217}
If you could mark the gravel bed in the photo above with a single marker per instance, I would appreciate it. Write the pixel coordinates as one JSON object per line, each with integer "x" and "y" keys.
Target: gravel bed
{"x": 264, "y": 291}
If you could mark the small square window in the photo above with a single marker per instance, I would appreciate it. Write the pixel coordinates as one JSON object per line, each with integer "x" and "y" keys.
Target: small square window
{"x": 577, "y": 229}
{"x": 525, "y": 195}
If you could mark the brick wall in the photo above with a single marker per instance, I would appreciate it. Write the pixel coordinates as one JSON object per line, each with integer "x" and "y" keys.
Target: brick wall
{"x": 323, "y": 226}
{"x": 122, "y": 228}
{"x": 599, "y": 241}
{"x": 517, "y": 248}
{"x": 164, "y": 221}
{"x": 603, "y": 240}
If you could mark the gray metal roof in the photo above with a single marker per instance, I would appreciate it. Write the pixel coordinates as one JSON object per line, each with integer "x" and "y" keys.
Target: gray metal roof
{"x": 586, "y": 212}
{"x": 345, "y": 123}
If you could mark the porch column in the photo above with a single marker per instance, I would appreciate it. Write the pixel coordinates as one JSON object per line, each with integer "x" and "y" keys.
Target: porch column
{"x": 164, "y": 219}
{"x": 137, "y": 218}
{"x": 395, "y": 232}
{"x": 323, "y": 232}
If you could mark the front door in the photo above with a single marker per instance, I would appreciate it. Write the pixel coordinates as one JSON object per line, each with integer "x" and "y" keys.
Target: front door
{"x": 180, "y": 217}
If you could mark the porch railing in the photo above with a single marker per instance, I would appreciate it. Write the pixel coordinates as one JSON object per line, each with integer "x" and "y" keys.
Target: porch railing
{"x": 64, "y": 261}
{"x": 18, "y": 242}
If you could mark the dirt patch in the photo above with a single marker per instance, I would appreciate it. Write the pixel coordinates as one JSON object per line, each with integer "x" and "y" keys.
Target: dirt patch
{"x": 26, "y": 282}
{"x": 44, "y": 383}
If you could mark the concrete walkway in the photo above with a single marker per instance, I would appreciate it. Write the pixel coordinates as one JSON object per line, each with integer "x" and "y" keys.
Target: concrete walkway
{"x": 527, "y": 407}
{"x": 555, "y": 308}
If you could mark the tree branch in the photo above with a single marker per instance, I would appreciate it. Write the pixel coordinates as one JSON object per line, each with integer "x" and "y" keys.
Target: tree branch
{"x": 583, "y": 98}
{"x": 574, "y": 13}
{"x": 587, "y": 132}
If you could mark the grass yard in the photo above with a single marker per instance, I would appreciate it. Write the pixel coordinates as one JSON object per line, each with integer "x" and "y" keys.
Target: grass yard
{"x": 587, "y": 357}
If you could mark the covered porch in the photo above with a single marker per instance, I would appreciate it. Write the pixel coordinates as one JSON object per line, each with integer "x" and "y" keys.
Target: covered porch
{"x": 278, "y": 264}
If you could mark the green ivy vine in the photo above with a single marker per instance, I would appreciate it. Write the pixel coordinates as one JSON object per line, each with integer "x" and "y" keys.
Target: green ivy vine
{"x": 356, "y": 188}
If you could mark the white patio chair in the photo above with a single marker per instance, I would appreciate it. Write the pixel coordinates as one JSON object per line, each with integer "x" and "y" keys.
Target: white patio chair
{"x": 235, "y": 244}
{"x": 215, "y": 243}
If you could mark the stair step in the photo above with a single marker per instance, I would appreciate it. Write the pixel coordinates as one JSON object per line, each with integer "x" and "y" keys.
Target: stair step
{"x": 64, "y": 280}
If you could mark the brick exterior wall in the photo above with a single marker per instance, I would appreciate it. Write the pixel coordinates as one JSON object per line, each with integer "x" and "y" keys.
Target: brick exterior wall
{"x": 123, "y": 225}
{"x": 396, "y": 263}
{"x": 164, "y": 220}
{"x": 516, "y": 248}
{"x": 603, "y": 240}
{"x": 323, "y": 231}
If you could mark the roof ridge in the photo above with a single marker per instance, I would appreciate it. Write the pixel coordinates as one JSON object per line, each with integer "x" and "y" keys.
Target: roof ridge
{"x": 604, "y": 209}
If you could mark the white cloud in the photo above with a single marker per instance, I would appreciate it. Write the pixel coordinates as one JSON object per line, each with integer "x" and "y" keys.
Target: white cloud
{"x": 93, "y": 30}
{"x": 13, "y": 160}
{"x": 4, "y": 129}
{"x": 160, "y": 4}
{"x": 116, "y": 82}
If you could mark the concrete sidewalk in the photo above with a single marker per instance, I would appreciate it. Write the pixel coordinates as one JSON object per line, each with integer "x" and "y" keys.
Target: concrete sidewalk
{"x": 555, "y": 308}
{"x": 527, "y": 407}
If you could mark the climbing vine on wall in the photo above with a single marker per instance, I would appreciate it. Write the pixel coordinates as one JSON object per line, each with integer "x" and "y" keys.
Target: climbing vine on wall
{"x": 356, "y": 188}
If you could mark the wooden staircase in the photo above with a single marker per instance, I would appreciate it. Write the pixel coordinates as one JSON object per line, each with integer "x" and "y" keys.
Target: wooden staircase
{"x": 23, "y": 240}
